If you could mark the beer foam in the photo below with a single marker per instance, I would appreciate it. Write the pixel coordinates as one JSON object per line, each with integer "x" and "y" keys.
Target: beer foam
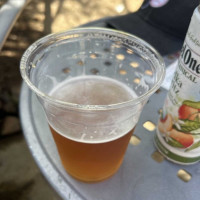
{"x": 92, "y": 90}
{"x": 95, "y": 126}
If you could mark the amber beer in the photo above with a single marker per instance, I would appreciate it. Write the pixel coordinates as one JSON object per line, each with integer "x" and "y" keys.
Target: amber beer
{"x": 91, "y": 162}
{"x": 92, "y": 148}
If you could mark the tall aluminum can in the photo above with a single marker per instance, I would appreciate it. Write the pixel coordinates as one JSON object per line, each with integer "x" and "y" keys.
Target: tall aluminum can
{"x": 178, "y": 130}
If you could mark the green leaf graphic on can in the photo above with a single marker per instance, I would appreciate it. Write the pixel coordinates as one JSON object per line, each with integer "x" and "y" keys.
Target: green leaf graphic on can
{"x": 194, "y": 146}
{"x": 192, "y": 104}
{"x": 188, "y": 126}
{"x": 174, "y": 143}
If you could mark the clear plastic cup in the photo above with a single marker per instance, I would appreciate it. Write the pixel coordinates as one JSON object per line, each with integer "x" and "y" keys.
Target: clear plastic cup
{"x": 92, "y": 84}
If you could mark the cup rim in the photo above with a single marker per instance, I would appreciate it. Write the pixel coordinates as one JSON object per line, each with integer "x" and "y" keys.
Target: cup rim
{"x": 46, "y": 97}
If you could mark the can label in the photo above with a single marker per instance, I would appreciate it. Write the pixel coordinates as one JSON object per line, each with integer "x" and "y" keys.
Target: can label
{"x": 178, "y": 130}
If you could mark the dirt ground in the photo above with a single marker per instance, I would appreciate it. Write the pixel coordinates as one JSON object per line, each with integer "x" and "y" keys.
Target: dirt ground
{"x": 20, "y": 177}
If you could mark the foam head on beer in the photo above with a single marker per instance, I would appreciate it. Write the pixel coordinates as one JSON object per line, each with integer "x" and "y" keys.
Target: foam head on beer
{"x": 92, "y": 126}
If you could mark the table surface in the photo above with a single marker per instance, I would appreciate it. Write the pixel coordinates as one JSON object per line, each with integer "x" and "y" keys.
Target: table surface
{"x": 140, "y": 177}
